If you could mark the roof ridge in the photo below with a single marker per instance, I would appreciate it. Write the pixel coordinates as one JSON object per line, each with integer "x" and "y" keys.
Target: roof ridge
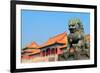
{"x": 57, "y": 35}
{"x": 53, "y": 39}
{"x": 62, "y": 37}
{"x": 33, "y": 43}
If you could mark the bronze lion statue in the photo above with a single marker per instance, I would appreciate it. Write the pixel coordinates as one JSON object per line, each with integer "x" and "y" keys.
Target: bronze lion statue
{"x": 78, "y": 47}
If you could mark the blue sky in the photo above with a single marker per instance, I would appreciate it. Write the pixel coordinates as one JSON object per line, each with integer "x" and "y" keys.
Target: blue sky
{"x": 38, "y": 26}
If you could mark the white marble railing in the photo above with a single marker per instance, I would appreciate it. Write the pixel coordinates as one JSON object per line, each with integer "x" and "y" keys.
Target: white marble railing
{"x": 41, "y": 59}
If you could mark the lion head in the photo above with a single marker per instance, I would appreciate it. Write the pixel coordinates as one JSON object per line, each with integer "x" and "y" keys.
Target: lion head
{"x": 75, "y": 25}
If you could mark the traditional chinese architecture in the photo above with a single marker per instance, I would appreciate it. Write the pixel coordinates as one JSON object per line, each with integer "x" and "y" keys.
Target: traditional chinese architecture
{"x": 28, "y": 50}
{"x": 49, "y": 51}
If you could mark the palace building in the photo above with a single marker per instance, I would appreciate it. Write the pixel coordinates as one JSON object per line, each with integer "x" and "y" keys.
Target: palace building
{"x": 49, "y": 51}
